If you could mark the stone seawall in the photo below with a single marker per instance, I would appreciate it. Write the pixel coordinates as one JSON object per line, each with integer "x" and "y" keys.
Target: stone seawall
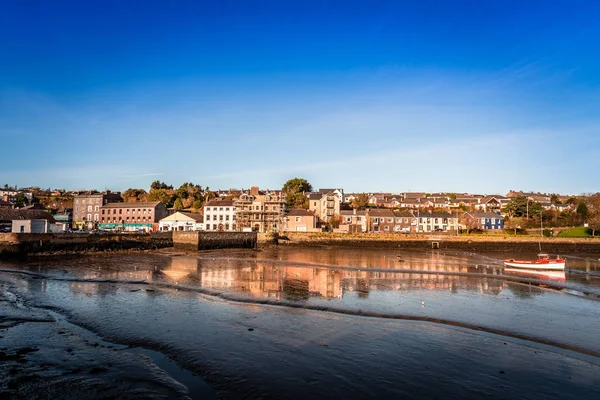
{"x": 198, "y": 240}
{"x": 465, "y": 243}
{"x": 15, "y": 244}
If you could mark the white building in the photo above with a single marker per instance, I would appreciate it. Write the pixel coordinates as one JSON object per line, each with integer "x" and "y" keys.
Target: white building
{"x": 181, "y": 221}
{"x": 219, "y": 215}
{"x": 35, "y": 226}
{"x": 438, "y": 221}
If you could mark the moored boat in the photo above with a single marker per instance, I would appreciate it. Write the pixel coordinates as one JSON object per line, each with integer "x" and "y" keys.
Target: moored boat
{"x": 543, "y": 262}
{"x": 545, "y": 275}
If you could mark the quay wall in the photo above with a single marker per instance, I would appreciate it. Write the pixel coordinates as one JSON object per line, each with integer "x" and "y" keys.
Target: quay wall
{"x": 464, "y": 243}
{"x": 199, "y": 240}
{"x": 15, "y": 244}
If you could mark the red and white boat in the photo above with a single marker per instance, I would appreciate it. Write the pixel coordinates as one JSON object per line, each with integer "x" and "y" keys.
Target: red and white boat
{"x": 545, "y": 275}
{"x": 543, "y": 262}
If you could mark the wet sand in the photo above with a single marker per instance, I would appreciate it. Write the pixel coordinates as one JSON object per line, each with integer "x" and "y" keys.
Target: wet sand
{"x": 296, "y": 323}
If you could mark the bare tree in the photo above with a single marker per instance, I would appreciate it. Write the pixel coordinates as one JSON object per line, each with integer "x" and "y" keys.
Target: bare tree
{"x": 469, "y": 222}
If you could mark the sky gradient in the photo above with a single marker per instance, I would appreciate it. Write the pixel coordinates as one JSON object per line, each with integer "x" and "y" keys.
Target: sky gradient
{"x": 465, "y": 96}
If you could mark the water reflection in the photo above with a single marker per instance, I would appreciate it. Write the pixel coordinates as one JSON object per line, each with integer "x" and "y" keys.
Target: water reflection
{"x": 262, "y": 278}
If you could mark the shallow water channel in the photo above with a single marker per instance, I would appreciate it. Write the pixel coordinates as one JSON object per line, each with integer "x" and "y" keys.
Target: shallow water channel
{"x": 298, "y": 323}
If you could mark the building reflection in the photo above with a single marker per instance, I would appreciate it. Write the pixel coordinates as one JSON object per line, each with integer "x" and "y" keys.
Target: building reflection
{"x": 299, "y": 283}
{"x": 103, "y": 288}
{"x": 360, "y": 273}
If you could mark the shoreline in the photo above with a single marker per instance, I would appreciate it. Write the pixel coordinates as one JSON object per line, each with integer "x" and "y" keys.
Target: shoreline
{"x": 24, "y": 245}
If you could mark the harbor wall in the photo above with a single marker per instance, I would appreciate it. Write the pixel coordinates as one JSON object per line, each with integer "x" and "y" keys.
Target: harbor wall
{"x": 465, "y": 243}
{"x": 199, "y": 240}
{"x": 15, "y": 244}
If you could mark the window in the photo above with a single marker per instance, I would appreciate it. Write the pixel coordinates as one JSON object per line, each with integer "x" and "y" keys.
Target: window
{"x": 226, "y": 208}
{"x": 389, "y": 220}
{"x": 114, "y": 211}
{"x": 387, "y": 228}
{"x": 214, "y": 227}
{"x": 120, "y": 211}
{"x": 220, "y": 208}
{"x": 127, "y": 211}
{"x": 89, "y": 208}
{"x": 398, "y": 220}
{"x": 227, "y": 217}
{"x": 298, "y": 219}
{"x": 102, "y": 213}
{"x": 214, "y": 217}
{"x": 406, "y": 220}
{"x": 221, "y": 217}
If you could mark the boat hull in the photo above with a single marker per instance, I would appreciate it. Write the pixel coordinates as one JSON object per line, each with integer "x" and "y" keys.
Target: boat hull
{"x": 546, "y": 275}
{"x": 558, "y": 265}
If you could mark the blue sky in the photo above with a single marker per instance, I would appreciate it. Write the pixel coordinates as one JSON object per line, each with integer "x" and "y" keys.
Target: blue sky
{"x": 475, "y": 96}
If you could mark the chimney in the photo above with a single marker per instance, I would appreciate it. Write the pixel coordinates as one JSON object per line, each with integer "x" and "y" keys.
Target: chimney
{"x": 254, "y": 190}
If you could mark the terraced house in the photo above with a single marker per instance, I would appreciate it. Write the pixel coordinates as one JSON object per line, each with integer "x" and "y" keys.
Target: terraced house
{"x": 437, "y": 222}
{"x": 132, "y": 216}
{"x": 86, "y": 208}
{"x": 487, "y": 220}
{"x": 219, "y": 216}
{"x": 260, "y": 211}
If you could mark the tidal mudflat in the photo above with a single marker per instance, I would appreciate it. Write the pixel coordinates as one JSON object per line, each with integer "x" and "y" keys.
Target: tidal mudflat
{"x": 297, "y": 323}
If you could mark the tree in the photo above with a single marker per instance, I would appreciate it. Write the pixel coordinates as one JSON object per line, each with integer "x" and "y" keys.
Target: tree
{"x": 295, "y": 190}
{"x": 594, "y": 223}
{"x": 520, "y": 206}
{"x": 334, "y": 221}
{"x": 582, "y": 210}
{"x": 361, "y": 201}
{"x": 133, "y": 194}
{"x": 513, "y": 223}
{"x": 178, "y": 205}
{"x": 554, "y": 199}
{"x": 20, "y": 200}
{"x": 469, "y": 222}
{"x": 197, "y": 204}
{"x": 161, "y": 195}
{"x": 156, "y": 185}
{"x": 594, "y": 213}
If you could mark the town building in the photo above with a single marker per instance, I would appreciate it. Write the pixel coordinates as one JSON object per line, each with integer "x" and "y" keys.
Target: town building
{"x": 404, "y": 221}
{"x": 131, "y": 216}
{"x": 86, "y": 208}
{"x": 65, "y": 217}
{"x": 8, "y": 216}
{"x": 437, "y": 222}
{"x": 219, "y": 216}
{"x": 380, "y": 220}
{"x": 5, "y": 204}
{"x": 339, "y": 192}
{"x": 350, "y": 218}
{"x": 325, "y": 206}
{"x": 491, "y": 204}
{"x": 260, "y": 211}
{"x": 487, "y": 220}
{"x": 35, "y": 226}
{"x": 181, "y": 221}
{"x": 299, "y": 221}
